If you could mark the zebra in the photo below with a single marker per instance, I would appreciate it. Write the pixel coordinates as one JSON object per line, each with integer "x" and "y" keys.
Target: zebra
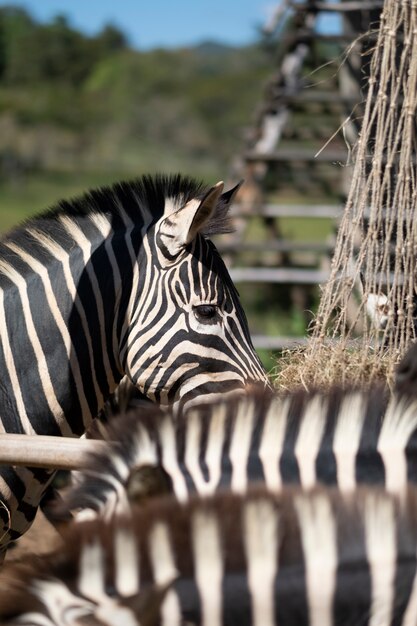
{"x": 316, "y": 558}
{"x": 122, "y": 281}
{"x": 339, "y": 437}
{"x": 406, "y": 372}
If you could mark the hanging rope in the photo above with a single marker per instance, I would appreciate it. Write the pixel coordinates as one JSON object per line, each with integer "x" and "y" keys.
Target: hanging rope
{"x": 374, "y": 268}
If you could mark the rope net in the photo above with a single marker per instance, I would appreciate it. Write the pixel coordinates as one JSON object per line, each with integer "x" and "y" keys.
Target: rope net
{"x": 368, "y": 307}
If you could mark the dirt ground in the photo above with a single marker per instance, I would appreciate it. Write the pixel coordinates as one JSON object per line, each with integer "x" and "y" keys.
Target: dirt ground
{"x": 41, "y": 538}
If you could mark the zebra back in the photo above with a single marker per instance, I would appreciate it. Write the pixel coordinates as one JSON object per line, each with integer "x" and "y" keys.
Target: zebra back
{"x": 341, "y": 437}
{"x": 319, "y": 558}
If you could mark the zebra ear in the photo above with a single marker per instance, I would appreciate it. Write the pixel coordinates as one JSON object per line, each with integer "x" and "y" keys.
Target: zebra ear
{"x": 229, "y": 196}
{"x": 199, "y": 216}
{"x": 180, "y": 228}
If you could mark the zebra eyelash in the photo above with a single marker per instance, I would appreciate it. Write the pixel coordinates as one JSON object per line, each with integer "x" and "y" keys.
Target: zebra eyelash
{"x": 206, "y": 313}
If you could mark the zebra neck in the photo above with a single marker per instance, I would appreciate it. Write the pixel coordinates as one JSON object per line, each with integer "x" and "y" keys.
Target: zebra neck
{"x": 59, "y": 301}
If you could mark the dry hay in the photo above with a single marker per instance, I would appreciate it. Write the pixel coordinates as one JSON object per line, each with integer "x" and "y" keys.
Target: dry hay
{"x": 333, "y": 365}
{"x": 376, "y": 249}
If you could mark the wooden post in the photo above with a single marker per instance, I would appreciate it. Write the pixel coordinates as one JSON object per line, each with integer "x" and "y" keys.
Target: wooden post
{"x": 49, "y": 452}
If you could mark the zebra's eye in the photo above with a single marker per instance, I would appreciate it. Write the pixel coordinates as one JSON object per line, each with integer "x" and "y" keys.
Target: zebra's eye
{"x": 206, "y": 313}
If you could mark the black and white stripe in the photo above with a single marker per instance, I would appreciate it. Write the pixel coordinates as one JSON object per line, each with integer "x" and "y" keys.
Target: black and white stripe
{"x": 339, "y": 437}
{"x": 317, "y": 558}
{"x": 121, "y": 281}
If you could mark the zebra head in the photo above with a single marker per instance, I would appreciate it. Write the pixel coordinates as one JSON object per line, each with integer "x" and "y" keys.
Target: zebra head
{"x": 186, "y": 331}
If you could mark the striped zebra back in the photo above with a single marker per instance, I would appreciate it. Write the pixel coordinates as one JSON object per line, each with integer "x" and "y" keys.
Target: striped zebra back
{"x": 317, "y": 558}
{"x": 342, "y": 438}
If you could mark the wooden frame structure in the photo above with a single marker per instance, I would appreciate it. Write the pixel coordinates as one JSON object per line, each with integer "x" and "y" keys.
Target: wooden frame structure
{"x": 48, "y": 452}
{"x": 280, "y": 150}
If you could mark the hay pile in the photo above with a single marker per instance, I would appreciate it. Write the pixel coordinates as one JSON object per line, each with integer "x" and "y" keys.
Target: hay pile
{"x": 367, "y": 314}
{"x": 331, "y": 365}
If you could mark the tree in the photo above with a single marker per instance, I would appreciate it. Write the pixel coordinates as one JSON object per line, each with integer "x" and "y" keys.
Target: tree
{"x": 110, "y": 40}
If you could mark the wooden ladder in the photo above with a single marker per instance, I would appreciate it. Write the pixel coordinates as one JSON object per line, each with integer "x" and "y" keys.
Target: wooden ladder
{"x": 296, "y": 179}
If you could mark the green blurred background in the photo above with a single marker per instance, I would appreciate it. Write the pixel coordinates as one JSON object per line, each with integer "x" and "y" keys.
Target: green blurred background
{"x": 79, "y": 111}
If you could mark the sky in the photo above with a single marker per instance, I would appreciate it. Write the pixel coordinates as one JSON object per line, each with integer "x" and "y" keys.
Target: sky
{"x": 162, "y": 23}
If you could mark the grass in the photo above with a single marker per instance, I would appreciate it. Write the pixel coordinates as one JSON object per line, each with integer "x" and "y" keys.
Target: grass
{"x": 29, "y": 194}
{"x": 306, "y": 229}
{"x": 33, "y": 193}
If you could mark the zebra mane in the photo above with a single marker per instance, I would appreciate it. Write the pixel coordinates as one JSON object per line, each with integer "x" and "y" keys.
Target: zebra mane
{"x": 144, "y": 194}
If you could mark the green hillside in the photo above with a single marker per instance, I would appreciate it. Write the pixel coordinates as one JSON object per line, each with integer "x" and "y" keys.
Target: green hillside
{"x": 77, "y": 111}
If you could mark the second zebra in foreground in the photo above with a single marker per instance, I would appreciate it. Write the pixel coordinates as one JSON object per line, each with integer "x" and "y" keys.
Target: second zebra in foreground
{"x": 340, "y": 437}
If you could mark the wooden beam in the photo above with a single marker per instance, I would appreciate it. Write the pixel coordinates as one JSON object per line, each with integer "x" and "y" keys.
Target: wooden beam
{"x": 325, "y": 211}
{"x": 308, "y": 95}
{"x": 305, "y": 34}
{"x": 310, "y": 156}
{"x": 343, "y": 7}
{"x": 49, "y": 452}
{"x": 280, "y": 275}
{"x": 298, "y": 154}
{"x": 263, "y": 342}
{"x": 329, "y": 211}
{"x": 278, "y": 245}
{"x": 299, "y": 276}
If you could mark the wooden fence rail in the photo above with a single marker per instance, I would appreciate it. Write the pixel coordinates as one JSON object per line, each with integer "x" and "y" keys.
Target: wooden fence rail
{"x": 45, "y": 451}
